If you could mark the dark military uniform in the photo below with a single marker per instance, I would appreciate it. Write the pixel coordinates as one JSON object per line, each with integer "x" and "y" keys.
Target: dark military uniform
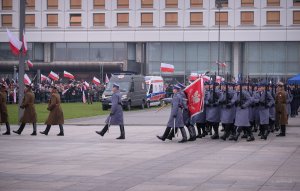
{"x": 29, "y": 115}
{"x": 56, "y": 115}
{"x": 281, "y": 111}
{"x": 200, "y": 119}
{"x": 3, "y": 110}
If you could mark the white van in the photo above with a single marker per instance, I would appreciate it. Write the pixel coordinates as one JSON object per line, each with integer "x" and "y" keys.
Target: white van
{"x": 155, "y": 90}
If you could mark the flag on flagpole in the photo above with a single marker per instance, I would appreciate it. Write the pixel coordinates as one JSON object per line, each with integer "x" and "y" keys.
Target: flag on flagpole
{"x": 96, "y": 81}
{"x": 29, "y": 64}
{"x": 68, "y": 75}
{"x": 15, "y": 95}
{"x": 167, "y": 68}
{"x": 86, "y": 84}
{"x": 25, "y": 48}
{"x": 106, "y": 79}
{"x": 27, "y": 80}
{"x": 14, "y": 43}
{"x": 220, "y": 79}
{"x": 224, "y": 65}
{"x": 54, "y": 76}
{"x": 193, "y": 77}
{"x": 195, "y": 96}
{"x": 43, "y": 78}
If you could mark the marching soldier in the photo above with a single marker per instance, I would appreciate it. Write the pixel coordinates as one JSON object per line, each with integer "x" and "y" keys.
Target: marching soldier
{"x": 116, "y": 114}
{"x": 242, "y": 101}
{"x": 280, "y": 107}
{"x": 3, "y": 109}
{"x": 176, "y": 118}
{"x": 29, "y": 115}
{"x": 56, "y": 115}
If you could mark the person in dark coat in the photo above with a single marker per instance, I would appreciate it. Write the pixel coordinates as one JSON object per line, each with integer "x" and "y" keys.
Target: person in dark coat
{"x": 29, "y": 115}
{"x": 176, "y": 117}
{"x": 3, "y": 109}
{"x": 56, "y": 115}
{"x": 280, "y": 107}
{"x": 242, "y": 101}
{"x": 116, "y": 115}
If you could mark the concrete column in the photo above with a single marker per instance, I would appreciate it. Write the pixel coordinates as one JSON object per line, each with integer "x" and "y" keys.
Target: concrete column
{"x": 47, "y": 52}
{"x": 236, "y": 69}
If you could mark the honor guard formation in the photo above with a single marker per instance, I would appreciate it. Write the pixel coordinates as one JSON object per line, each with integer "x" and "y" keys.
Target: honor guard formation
{"x": 241, "y": 109}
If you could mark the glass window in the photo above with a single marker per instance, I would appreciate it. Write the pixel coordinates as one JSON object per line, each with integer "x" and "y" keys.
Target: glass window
{"x": 6, "y": 4}
{"x": 30, "y": 4}
{"x": 60, "y": 52}
{"x": 77, "y": 51}
{"x": 38, "y": 52}
{"x": 5, "y": 52}
{"x": 123, "y": 4}
{"x": 247, "y": 18}
{"x": 30, "y": 20}
{"x": 196, "y": 3}
{"x": 123, "y": 19}
{"x": 147, "y": 19}
{"x": 223, "y": 3}
{"x": 75, "y": 19}
{"x": 52, "y": 20}
{"x": 171, "y": 19}
{"x": 272, "y": 3}
{"x": 296, "y": 2}
{"x": 131, "y": 51}
{"x": 120, "y": 51}
{"x": 52, "y": 4}
{"x": 273, "y": 17}
{"x": 247, "y": 3}
{"x": 147, "y": 3}
{"x": 6, "y": 20}
{"x": 221, "y": 18}
{"x": 296, "y": 17}
{"x": 99, "y": 4}
{"x": 196, "y": 18}
{"x": 171, "y": 3}
{"x": 154, "y": 51}
{"x": 75, "y": 4}
{"x": 101, "y": 52}
{"x": 99, "y": 19}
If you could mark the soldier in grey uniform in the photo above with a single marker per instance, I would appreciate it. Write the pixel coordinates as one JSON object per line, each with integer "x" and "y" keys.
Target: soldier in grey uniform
{"x": 265, "y": 101}
{"x": 227, "y": 110}
{"x": 272, "y": 110}
{"x": 116, "y": 114}
{"x": 242, "y": 101}
{"x": 289, "y": 99}
{"x": 213, "y": 110}
{"x": 176, "y": 118}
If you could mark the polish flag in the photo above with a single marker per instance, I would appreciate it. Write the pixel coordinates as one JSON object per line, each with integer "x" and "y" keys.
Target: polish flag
{"x": 43, "y": 78}
{"x": 219, "y": 79}
{"x": 27, "y": 80}
{"x": 15, "y": 44}
{"x": 96, "y": 81}
{"x": 68, "y": 75}
{"x": 195, "y": 95}
{"x": 29, "y": 64}
{"x": 204, "y": 77}
{"x": 166, "y": 67}
{"x": 223, "y": 64}
{"x": 15, "y": 95}
{"x": 86, "y": 84}
{"x": 193, "y": 76}
{"x": 25, "y": 48}
{"x": 106, "y": 79}
{"x": 54, "y": 76}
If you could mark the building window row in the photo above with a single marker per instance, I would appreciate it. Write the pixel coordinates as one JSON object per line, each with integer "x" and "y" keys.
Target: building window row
{"x": 171, "y": 19}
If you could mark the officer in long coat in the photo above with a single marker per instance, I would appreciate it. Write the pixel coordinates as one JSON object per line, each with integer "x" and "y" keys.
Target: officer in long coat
{"x": 3, "y": 109}
{"x": 281, "y": 111}
{"x": 116, "y": 114}
{"x": 242, "y": 101}
{"x": 227, "y": 110}
{"x": 265, "y": 101}
{"x": 272, "y": 110}
{"x": 29, "y": 115}
{"x": 56, "y": 115}
{"x": 176, "y": 118}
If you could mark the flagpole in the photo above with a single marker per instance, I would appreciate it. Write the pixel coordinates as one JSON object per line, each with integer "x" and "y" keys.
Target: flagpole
{"x": 21, "y": 56}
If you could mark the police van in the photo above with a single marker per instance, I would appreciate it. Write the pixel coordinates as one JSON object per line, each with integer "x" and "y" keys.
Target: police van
{"x": 155, "y": 90}
{"x": 132, "y": 89}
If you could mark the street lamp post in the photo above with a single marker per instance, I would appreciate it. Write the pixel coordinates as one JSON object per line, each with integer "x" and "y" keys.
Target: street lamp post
{"x": 219, "y": 6}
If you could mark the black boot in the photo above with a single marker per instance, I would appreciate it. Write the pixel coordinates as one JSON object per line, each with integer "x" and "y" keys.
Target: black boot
{"x": 192, "y": 133}
{"x": 172, "y": 134}
{"x": 238, "y": 132}
{"x": 216, "y": 130}
{"x": 267, "y": 132}
{"x": 272, "y": 126}
{"x": 165, "y": 135}
{"x": 226, "y": 132}
{"x": 282, "y": 133}
{"x": 250, "y": 134}
{"x": 7, "y": 129}
{"x": 61, "y": 130}
{"x": 183, "y": 133}
{"x": 199, "y": 130}
{"x": 122, "y": 130}
{"x": 46, "y": 130}
{"x": 21, "y": 128}
{"x": 103, "y": 131}
{"x": 34, "y": 129}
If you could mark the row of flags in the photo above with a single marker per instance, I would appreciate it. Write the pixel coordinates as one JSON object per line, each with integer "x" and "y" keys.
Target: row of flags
{"x": 169, "y": 68}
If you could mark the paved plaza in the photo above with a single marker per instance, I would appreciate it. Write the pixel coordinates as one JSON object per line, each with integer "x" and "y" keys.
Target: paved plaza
{"x": 82, "y": 160}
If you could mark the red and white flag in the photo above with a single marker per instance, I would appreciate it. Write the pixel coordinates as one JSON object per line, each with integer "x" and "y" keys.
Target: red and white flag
{"x": 29, "y": 64}
{"x": 96, "y": 81}
{"x": 43, "y": 78}
{"x": 54, "y": 76}
{"x": 106, "y": 79}
{"x": 83, "y": 97}
{"x": 25, "y": 48}
{"x": 166, "y": 67}
{"x": 220, "y": 79}
{"x": 224, "y": 65}
{"x": 193, "y": 77}
{"x": 195, "y": 96}
{"x": 68, "y": 75}
{"x": 15, "y": 95}
{"x": 86, "y": 84}
{"x": 27, "y": 80}
{"x": 14, "y": 43}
